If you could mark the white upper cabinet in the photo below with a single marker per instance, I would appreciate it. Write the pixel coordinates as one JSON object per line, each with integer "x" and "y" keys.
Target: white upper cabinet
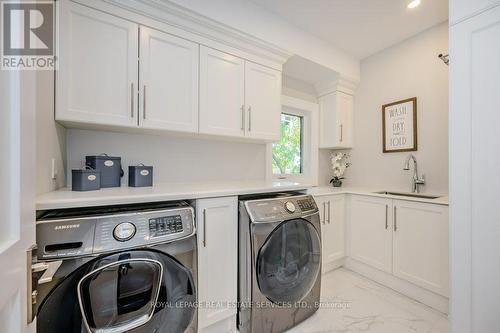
{"x": 97, "y": 76}
{"x": 420, "y": 241}
{"x": 222, "y": 93}
{"x": 263, "y": 102}
{"x": 336, "y": 120}
{"x": 117, "y": 73}
{"x": 371, "y": 231}
{"x": 238, "y": 98}
{"x": 168, "y": 82}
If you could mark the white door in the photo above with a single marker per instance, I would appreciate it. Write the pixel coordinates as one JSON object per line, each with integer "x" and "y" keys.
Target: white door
{"x": 222, "y": 93}
{"x": 263, "y": 102}
{"x": 217, "y": 228}
{"x": 474, "y": 181}
{"x": 168, "y": 82}
{"x": 98, "y": 65}
{"x": 420, "y": 241}
{"x": 17, "y": 190}
{"x": 333, "y": 230}
{"x": 371, "y": 231}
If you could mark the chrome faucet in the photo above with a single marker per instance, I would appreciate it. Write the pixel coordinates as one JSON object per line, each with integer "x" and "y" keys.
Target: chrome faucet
{"x": 416, "y": 181}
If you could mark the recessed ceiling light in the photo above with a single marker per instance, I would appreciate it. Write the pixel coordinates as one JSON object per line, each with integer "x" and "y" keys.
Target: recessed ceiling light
{"x": 413, "y": 3}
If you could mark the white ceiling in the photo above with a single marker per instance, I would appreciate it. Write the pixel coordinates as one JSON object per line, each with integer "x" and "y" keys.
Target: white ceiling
{"x": 359, "y": 27}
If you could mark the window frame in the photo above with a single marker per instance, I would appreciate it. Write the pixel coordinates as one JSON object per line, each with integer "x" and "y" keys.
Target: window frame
{"x": 309, "y": 112}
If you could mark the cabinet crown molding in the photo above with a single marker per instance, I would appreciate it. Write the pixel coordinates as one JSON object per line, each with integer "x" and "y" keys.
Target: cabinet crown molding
{"x": 340, "y": 83}
{"x": 168, "y": 12}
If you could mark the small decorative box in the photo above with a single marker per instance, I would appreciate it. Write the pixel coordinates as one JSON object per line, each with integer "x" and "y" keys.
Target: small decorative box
{"x": 110, "y": 168}
{"x": 140, "y": 175}
{"x": 85, "y": 180}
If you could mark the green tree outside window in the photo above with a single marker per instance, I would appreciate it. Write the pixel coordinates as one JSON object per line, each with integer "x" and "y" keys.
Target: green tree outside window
{"x": 287, "y": 153}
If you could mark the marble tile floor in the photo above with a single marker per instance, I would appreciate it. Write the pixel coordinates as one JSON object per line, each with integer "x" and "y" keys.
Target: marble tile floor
{"x": 353, "y": 303}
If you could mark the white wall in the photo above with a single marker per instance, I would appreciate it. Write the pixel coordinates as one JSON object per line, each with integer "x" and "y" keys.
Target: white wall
{"x": 261, "y": 23}
{"x": 299, "y": 89}
{"x": 405, "y": 70}
{"x": 175, "y": 159}
{"x": 50, "y": 137}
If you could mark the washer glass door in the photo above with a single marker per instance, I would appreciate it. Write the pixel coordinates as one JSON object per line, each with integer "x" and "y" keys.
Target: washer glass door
{"x": 120, "y": 296}
{"x": 289, "y": 261}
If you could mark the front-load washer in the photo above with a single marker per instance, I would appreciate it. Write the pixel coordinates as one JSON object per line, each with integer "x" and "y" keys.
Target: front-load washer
{"x": 116, "y": 269}
{"x": 279, "y": 262}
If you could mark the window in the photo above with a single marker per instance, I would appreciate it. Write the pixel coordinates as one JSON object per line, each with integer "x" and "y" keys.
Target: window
{"x": 288, "y": 152}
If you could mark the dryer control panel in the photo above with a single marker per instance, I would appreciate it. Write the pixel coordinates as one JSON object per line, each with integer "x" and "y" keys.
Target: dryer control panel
{"x": 279, "y": 209}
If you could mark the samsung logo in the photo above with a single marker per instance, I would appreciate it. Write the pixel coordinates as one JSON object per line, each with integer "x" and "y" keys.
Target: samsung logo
{"x": 67, "y": 226}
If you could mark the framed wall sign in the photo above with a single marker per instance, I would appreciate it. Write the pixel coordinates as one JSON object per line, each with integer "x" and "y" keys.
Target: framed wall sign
{"x": 399, "y": 126}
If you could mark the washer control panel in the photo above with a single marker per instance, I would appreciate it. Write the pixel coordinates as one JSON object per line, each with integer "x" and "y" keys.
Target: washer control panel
{"x": 276, "y": 209}
{"x": 86, "y": 235}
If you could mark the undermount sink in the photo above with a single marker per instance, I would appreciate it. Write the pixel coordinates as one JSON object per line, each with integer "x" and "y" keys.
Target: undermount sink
{"x": 412, "y": 195}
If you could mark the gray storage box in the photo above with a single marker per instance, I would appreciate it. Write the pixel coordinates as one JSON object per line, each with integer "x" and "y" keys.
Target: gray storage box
{"x": 85, "y": 180}
{"x": 140, "y": 176}
{"x": 110, "y": 168}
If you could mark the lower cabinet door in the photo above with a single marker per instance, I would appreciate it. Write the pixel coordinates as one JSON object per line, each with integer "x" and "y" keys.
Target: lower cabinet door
{"x": 371, "y": 231}
{"x": 217, "y": 229}
{"x": 421, "y": 245}
{"x": 333, "y": 230}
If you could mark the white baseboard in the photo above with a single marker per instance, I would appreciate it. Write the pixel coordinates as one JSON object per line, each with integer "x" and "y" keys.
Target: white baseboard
{"x": 328, "y": 267}
{"x": 406, "y": 288}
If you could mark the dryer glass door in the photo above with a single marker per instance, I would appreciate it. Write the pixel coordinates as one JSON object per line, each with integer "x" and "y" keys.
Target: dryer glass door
{"x": 289, "y": 261}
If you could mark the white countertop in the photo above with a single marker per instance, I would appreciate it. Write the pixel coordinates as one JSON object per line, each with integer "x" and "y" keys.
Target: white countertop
{"x": 329, "y": 190}
{"x": 65, "y": 198}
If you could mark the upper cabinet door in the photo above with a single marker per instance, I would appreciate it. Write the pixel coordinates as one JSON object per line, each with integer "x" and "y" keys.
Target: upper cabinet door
{"x": 97, "y": 78}
{"x": 336, "y": 120}
{"x": 169, "y": 82}
{"x": 263, "y": 102}
{"x": 345, "y": 105}
{"x": 222, "y": 93}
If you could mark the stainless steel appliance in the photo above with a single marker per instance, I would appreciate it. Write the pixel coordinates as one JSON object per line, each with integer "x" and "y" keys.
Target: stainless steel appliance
{"x": 279, "y": 262}
{"x": 116, "y": 269}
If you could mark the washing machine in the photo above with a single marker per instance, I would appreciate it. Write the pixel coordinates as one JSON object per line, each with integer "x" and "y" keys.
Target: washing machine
{"x": 279, "y": 275}
{"x": 116, "y": 269}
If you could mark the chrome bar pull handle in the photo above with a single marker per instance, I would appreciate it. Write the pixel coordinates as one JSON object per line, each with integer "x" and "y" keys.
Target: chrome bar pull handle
{"x": 144, "y": 103}
{"x": 386, "y": 217}
{"x": 329, "y": 212}
{"x": 249, "y": 118}
{"x": 395, "y": 220}
{"x": 204, "y": 228}
{"x": 243, "y": 117}
{"x": 341, "y": 132}
{"x": 132, "y": 100}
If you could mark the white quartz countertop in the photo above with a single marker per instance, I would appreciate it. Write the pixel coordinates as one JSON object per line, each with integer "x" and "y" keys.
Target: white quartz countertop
{"x": 329, "y": 190}
{"x": 65, "y": 198}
